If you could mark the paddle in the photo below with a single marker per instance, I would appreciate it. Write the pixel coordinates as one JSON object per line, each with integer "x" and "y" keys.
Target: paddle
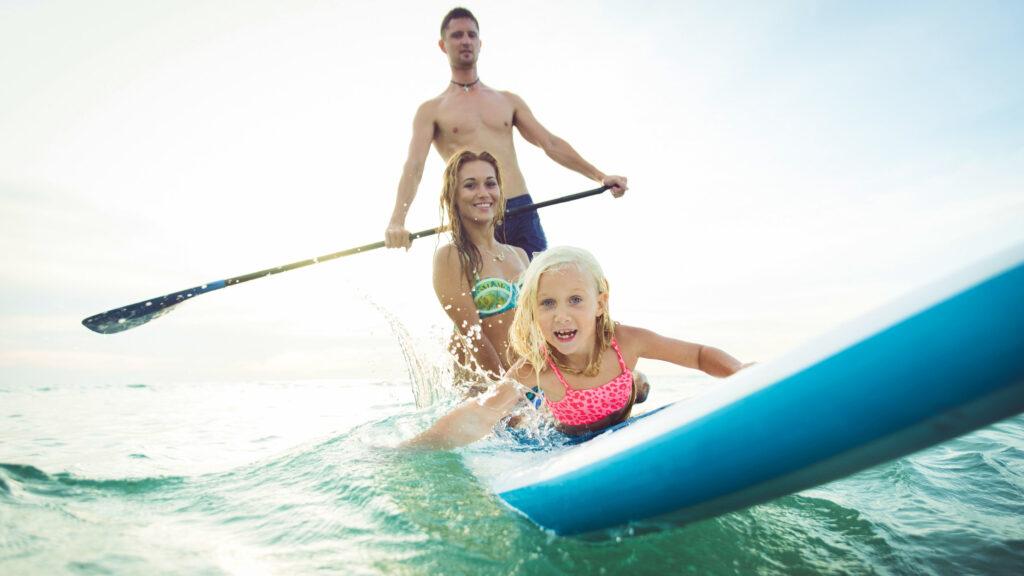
{"x": 134, "y": 315}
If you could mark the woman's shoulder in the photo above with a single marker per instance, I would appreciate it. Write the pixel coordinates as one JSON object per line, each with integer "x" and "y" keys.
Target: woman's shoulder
{"x": 523, "y": 256}
{"x": 524, "y": 259}
{"x": 445, "y": 250}
{"x": 447, "y": 255}
{"x": 448, "y": 273}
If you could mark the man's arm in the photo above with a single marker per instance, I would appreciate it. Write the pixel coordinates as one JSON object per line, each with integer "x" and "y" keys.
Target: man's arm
{"x": 396, "y": 235}
{"x": 559, "y": 150}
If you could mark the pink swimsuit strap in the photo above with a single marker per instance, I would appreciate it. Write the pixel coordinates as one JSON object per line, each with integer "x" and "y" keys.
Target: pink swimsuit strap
{"x": 588, "y": 405}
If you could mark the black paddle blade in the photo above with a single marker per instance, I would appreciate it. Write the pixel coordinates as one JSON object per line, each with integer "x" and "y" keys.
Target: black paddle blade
{"x": 135, "y": 315}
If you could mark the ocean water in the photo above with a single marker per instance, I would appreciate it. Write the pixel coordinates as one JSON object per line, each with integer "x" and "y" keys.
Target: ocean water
{"x": 303, "y": 477}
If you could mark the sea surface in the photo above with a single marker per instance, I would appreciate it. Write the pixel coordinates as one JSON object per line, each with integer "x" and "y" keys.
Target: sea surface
{"x": 304, "y": 477}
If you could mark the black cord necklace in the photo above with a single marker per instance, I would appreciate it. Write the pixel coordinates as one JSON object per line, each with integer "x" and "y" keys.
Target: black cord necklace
{"x": 466, "y": 87}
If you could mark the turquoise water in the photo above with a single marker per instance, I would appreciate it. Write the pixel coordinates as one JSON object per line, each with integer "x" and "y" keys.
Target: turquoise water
{"x": 303, "y": 477}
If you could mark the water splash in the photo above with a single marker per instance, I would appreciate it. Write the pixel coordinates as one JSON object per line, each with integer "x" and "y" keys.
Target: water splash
{"x": 425, "y": 376}
{"x": 451, "y": 372}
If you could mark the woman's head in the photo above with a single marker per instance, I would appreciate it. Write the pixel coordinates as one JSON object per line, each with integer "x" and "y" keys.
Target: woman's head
{"x": 472, "y": 176}
{"x": 471, "y": 193}
{"x": 563, "y": 308}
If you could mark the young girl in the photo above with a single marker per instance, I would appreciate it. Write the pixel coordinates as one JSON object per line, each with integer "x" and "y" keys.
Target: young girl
{"x": 573, "y": 356}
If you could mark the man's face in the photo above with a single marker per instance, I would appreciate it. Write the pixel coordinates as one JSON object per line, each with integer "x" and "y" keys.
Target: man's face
{"x": 461, "y": 43}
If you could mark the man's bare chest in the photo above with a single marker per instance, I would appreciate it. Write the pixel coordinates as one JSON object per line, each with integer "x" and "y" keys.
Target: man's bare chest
{"x": 465, "y": 119}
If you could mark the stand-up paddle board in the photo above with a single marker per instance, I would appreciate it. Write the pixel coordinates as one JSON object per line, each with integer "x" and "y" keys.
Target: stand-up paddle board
{"x": 931, "y": 366}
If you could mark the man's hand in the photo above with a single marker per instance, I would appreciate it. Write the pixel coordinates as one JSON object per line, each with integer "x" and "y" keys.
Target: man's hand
{"x": 396, "y": 236}
{"x": 618, "y": 185}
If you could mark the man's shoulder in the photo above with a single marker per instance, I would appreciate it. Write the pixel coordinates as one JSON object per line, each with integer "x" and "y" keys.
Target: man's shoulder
{"x": 511, "y": 96}
{"x": 430, "y": 106}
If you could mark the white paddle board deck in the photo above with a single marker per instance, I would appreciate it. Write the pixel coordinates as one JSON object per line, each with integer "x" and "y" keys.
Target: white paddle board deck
{"x": 931, "y": 366}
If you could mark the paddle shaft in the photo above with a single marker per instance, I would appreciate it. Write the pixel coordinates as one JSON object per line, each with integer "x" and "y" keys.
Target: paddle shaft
{"x": 133, "y": 315}
{"x": 413, "y": 236}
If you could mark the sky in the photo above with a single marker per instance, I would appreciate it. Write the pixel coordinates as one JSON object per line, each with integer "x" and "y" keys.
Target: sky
{"x": 791, "y": 165}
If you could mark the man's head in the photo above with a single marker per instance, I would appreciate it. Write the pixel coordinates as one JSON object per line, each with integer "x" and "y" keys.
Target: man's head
{"x": 455, "y": 13}
{"x": 460, "y": 38}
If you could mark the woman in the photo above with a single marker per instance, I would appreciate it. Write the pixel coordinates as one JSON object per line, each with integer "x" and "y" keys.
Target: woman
{"x": 475, "y": 276}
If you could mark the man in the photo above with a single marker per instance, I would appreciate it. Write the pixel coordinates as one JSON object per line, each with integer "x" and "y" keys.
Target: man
{"x": 469, "y": 114}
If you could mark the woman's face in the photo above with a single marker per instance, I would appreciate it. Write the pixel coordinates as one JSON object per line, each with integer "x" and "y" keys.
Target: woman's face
{"x": 478, "y": 191}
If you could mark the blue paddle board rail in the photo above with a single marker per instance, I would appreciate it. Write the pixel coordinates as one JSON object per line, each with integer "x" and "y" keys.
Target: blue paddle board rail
{"x": 937, "y": 364}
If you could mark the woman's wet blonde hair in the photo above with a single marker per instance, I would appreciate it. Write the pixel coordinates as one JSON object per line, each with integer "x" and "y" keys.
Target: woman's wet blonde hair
{"x": 469, "y": 254}
{"x": 525, "y": 335}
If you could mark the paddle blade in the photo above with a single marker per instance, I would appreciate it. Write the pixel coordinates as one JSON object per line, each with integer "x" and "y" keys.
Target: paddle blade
{"x": 135, "y": 315}
{"x": 122, "y": 319}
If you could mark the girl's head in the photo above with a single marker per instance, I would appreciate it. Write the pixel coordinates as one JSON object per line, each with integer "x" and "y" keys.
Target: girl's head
{"x": 471, "y": 193}
{"x": 563, "y": 309}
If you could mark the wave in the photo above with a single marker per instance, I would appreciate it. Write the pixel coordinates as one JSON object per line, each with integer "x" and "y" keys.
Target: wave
{"x": 423, "y": 511}
{"x": 17, "y": 478}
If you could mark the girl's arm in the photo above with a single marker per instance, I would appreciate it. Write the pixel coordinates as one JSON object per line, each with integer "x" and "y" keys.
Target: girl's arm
{"x": 456, "y": 298}
{"x": 470, "y": 421}
{"x": 707, "y": 359}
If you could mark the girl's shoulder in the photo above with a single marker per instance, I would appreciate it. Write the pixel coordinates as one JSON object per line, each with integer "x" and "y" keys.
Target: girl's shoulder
{"x": 527, "y": 375}
{"x": 530, "y": 381}
{"x": 631, "y": 339}
{"x": 523, "y": 371}
{"x": 626, "y": 334}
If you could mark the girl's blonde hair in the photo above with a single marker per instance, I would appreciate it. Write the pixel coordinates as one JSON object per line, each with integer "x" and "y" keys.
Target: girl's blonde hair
{"x": 525, "y": 336}
{"x": 469, "y": 254}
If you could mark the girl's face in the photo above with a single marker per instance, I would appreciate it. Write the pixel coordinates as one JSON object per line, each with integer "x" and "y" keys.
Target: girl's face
{"x": 478, "y": 192}
{"x": 568, "y": 306}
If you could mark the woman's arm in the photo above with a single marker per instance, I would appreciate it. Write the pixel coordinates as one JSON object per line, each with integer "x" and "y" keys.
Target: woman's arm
{"x": 707, "y": 359}
{"x": 470, "y": 421}
{"x": 455, "y": 297}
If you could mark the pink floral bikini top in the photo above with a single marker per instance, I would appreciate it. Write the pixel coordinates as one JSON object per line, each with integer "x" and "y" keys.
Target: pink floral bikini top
{"x": 587, "y": 406}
